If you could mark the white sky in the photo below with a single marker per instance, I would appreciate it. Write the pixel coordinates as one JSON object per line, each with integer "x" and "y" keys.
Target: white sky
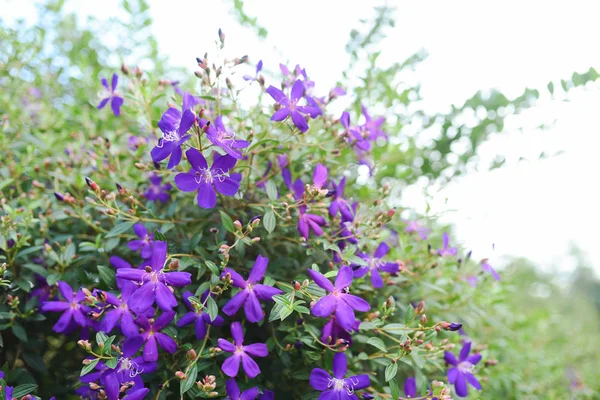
{"x": 532, "y": 208}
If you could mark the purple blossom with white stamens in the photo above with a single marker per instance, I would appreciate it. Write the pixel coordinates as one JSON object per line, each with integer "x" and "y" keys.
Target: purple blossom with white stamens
{"x": 151, "y": 337}
{"x": 290, "y": 107}
{"x": 374, "y": 265}
{"x": 446, "y": 250}
{"x": 205, "y": 180}
{"x": 338, "y": 387}
{"x": 233, "y": 391}
{"x": 116, "y": 101}
{"x": 485, "y": 266}
{"x": 120, "y": 313}
{"x": 145, "y": 243}
{"x": 221, "y": 137}
{"x": 71, "y": 308}
{"x": 340, "y": 204}
{"x": 200, "y": 318}
{"x": 154, "y": 282}
{"x": 241, "y": 353}
{"x": 251, "y": 292}
{"x": 174, "y": 125}
{"x": 157, "y": 191}
{"x": 461, "y": 372}
{"x": 415, "y": 227}
{"x": 339, "y": 301}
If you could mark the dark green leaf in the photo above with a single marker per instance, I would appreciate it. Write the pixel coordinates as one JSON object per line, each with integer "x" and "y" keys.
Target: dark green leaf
{"x": 213, "y": 310}
{"x": 409, "y": 315}
{"x": 190, "y": 379}
{"x": 107, "y": 275}
{"x": 112, "y": 362}
{"x": 119, "y": 229}
{"x": 88, "y": 368}
{"x": 227, "y": 222}
{"x": 391, "y": 371}
{"x": 158, "y": 235}
{"x": 375, "y": 341}
{"x": 22, "y": 390}
{"x": 19, "y": 331}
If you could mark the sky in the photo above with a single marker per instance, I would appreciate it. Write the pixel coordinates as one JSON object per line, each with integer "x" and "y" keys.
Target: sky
{"x": 533, "y": 208}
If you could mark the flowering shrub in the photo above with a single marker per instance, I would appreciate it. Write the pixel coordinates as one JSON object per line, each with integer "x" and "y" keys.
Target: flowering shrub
{"x": 291, "y": 272}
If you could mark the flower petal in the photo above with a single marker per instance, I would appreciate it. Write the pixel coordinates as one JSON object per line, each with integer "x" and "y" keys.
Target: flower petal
{"x": 258, "y": 269}
{"x": 207, "y": 198}
{"x": 325, "y": 306}
{"x": 464, "y": 352}
{"x": 166, "y": 342}
{"x": 276, "y": 94}
{"x": 264, "y": 292}
{"x": 297, "y": 91}
{"x": 339, "y": 366}
{"x": 150, "y": 349}
{"x": 344, "y": 315}
{"x": 232, "y": 307}
{"x": 473, "y": 381}
{"x": 65, "y": 290}
{"x": 320, "y": 280}
{"x": 164, "y": 297}
{"x": 196, "y": 159}
{"x": 450, "y": 358}
{"x": 159, "y": 256}
{"x": 299, "y": 120}
{"x": 359, "y": 381}
{"x": 257, "y": 349}
{"x": 382, "y": 250}
{"x": 237, "y": 333}
{"x": 186, "y": 182}
{"x": 252, "y": 309}
{"x": 142, "y": 299}
{"x": 319, "y": 379}
{"x": 227, "y": 186}
{"x": 178, "y": 279}
{"x": 226, "y": 345}
{"x": 231, "y": 366}
{"x": 281, "y": 114}
{"x": 343, "y": 278}
{"x": 460, "y": 385}
{"x": 237, "y": 279}
{"x": 250, "y": 366}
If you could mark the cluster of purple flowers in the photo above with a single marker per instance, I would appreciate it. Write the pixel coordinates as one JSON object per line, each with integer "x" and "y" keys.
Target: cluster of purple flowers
{"x": 145, "y": 305}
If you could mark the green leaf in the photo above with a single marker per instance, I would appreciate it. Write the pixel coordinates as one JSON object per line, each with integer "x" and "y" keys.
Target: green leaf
{"x": 190, "y": 380}
{"x": 19, "y": 331}
{"x": 285, "y": 312}
{"x": 88, "y": 368}
{"x": 213, "y": 310}
{"x": 394, "y": 389}
{"x": 212, "y": 267}
{"x": 391, "y": 371}
{"x": 35, "y": 361}
{"x": 119, "y": 228}
{"x": 158, "y": 235}
{"x": 227, "y": 222}
{"x": 112, "y": 362}
{"x": 38, "y": 269}
{"x": 417, "y": 359}
{"x": 107, "y": 275}
{"x": 101, "y": 337}
{"x": 52, "y": 279}
{"x": 375, "y": 341}
{"x": 409, "y": 315}
{"x": 22, "y": 390}
{"x": 271, "y": 190}
{"x": 269, "y": 221}
{"x": 356, "y": 260}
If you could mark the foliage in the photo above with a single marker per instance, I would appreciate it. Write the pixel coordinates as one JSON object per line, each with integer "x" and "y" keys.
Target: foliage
{"x": 87, "y": 193}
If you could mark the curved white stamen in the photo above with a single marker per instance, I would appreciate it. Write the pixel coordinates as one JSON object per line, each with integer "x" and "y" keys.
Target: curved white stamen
{"x": 345, "y": 384}
{"x": 131, "y": 366}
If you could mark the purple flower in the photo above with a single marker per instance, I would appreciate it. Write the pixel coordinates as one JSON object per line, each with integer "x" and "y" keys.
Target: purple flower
{"x": 410, "y": 387}
{"x": 174, "y": 126}
{"x": 332, "y": 331}
{"x": 283, "y": 161}
{"x": 339, "y": 301}
{"x": 240, "y": 352}
{"x": 320, "y": 176}
{"x": 145, "y": 243}
{"x": 255, "y": 77}
{"x": 205, "y": 180}
{"x": 338, "y": 387}
{"x": 127, "y": 370}
{"x": 251, "y": 291}
{"x": 120, "y": 312}
{"x": 336, "y": 92}
{"x": 71, "y": 309}
{"x": 485, "y": 265}
{"x": 157, "y": 191}
{"x": 290, "y": 107}
{"x": 133, "y": 142}
{"x": 373, "y": 126}
{"x": 220, "y": 137}
{"x": 415, "y": 227}
{"x": 340, "y": 204}
{"x": 151, "y": 336}
{"x": 198, "y": 316}
{"x": 233, "y": 391}
{"x": 154, "y": 282}
{"x": 307, "y": 221}
{"x": 462, "y": 370}
{"x": 116, "y": 101}
{"x": 471, "y": 280}
{"x": 267, "y": 395}
{"x": 376, "y": 264}
{"x": 447, "y": 250}
{"x": 354, "y": 135}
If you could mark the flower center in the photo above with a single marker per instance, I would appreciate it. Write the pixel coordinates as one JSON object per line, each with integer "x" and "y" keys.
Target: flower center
{"x": 375, "y": 263}
{"x": 208, "y": 175}
{"x": 466, "y": 367}
{"x": 172, "y": 136}
{"x": 343, "y": 384}
{"x": 131, "y": 366}
{"x": 239, "y": 350}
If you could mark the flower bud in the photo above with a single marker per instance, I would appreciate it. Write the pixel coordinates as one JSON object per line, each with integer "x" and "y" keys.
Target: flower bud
{"x": 191, "y": 354}
{"x": 490, "y": 363}
{"x": 296, "y": 285}
{"x": 238, "y": 225}
{"x": 59, "y": 196}
{"x": 91, "y": 184}
{"x": 93, "y": 386}
{"x": 180, "y": 375}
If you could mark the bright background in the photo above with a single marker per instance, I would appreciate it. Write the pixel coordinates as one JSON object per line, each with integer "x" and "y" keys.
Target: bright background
{"x": 532, "y": 208}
